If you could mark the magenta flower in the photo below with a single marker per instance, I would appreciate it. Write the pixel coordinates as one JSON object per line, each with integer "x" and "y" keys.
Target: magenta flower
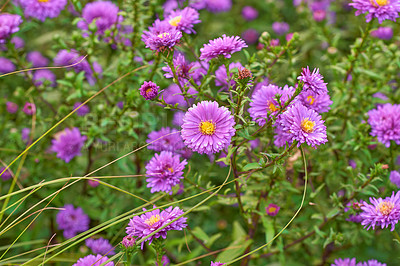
{"x": 149, "y": 90}
{"x": 100, "y": 246}
{"x": 9, "y": 24}
{"x": 280, "y": 28}
{"x": 183, "y": 69}
{"x": 184, "y": 19}
{"x": 84, "y": 110}
{"x": 344, "y": 262}
{"x": 395, "y": 178}
{"x": 249, "y": 13}
{"x": 304, "y": 125}
{"x": 317, "y": 102}
{"x": 91, "y": 260}
{"x": 217, "y": 6}
{"x": 173, "y": 95}
{"x": 217, "y": 263}
{"x": 168, "y": 140}
{"x": 381, "y": 212}
{"x": 161, "y": 36}
{"x": 178, "y": 118}
{"x": 142, "y": 226}
{"x": 72, "y": 221}
{"x": 29, "y": 109}
{"x": 164, "y": 171}
{"x": 264, "y": 102}
{"x": 313, "y": 81}
{"x": 42, "y": 9}
{"x": 208, "y": 128}
{"x": 371, "y": 263}
{"x": 37, "y": 59}
{"x": 384, "y": 33}
{"x": 128, "y": 241}
{"x": 272, "y": 209}
{"x": 104, "y": 13}
{"x": 68, "y": 144}
{"x": 43, "y": 75}
{"x": 6, "y": 65}
{"x": 11, "y": 107}
{"x": 221, "y": 77}
{"x": 224, "y": 46}
{"x": 6, "y": 175}
{"x": 380, "y": 9}
{"x": 385, "y": 123}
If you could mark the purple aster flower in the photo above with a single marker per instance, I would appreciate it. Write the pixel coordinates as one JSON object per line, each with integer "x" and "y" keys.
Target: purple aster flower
{"x": 92, "y": 260}
{"x": 184, "y": 19}
{"x": 128, "y": 241}
{"x": 216, "y": 6}
{"x": 164, "y": 171}
{"x": 198, "y": 71}
{"x": 250, "y": 36}
{"x": 43, "y": 75}
{"x": 371, "y": 263}
{"x": 104, "y": 13}
{"x": 11, "y": 107}
{"x": 173, "y": 95}
{"x": 224, "y": 46}
{"x": 249, "y": 13}
{"x": 6, "y": 65}
{"x": 352, "y": 164}
{"x": 93, "y": 183}
{"x": 100, "y": 246}
{"x": 254, "y": 143}
{"x": 344, "y": 262}
{"x": 25, "y": 133}
{"x": 6, "y": 175}
{"x": 280, "y": 28}
{"x": 384, "y": 33}
{"x": 385, "y": 123}
{"x": 42, "y": 9}
{"x": 161, "y": 36}
{"x": 264, "y": 102}
{"x": 380, "y": 95}
{"x": 149, "y": 90}
{"x": 317, "y": 102}
{"x": 165, "y": 261}
{"x": 72, "y": 221}
{"x": 64, "y": 58}
{"x": 395, "y": 178}
{"x": 84, "y": 110}
{"x": 18, "y": 42}
{"x": 37, "y": 59}
{"x": 178, "y": 118}
{"x": 313, "y": 81}
{"x": 142, "y": 226}
{"x": 9, "y": 24}
{"x": 120, "y": 105}
{"x": 221, "y": 77}
{"x": 170, "y": 5}
{"x": 217, "y": 263}
{"x": 169, "y": 140}
{"x": 208, "y": 128}
{"x": 272, "y": 209}
{"x": 380, "y": 9}
{"x": 29, "y": 108}
{"x": 382, "y": 212}
{"x": 68, "y": 144}
{"x": 301, "y": 124}
{"x": 183, "y": 69}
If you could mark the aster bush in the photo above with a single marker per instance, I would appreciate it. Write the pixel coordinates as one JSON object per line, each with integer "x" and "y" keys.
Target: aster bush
{"x": 199, "y": 132}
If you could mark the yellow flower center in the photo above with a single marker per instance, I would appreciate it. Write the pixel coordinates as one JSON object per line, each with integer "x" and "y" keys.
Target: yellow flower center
{"x": 175, "y": 21}
{"x": 43, "y": 1}
{"x": 148, "y": 91}
{"x": 378, "y": 3}
{"x": 163, "y": 35}
{"x": 272, "y": 107}
{"x": 152, "y": 220}
{"x": 307, "y": 125}
{"x": 170, "y": 169}
{"x": 207, "y": 128}
{"x": 385, "y": 207}
{"x": 272, "y": 209}
{"x": 311, "y": 99}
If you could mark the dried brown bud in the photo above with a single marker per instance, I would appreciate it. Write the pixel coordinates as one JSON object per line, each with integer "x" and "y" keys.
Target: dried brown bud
{"x": 244, "y": 74}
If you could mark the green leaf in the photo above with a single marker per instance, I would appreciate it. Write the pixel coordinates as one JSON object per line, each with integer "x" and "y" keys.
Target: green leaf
{"x": 251, "y": 166}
